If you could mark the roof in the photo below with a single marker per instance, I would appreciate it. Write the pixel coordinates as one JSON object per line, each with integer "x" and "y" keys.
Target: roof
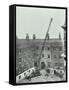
{"x": 26, "y": 43}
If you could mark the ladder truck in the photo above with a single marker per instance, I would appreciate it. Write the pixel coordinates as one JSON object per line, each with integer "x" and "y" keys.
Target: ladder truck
{"x": 37, "y": 65}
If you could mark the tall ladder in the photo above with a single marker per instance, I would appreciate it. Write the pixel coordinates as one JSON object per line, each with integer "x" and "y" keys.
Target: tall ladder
{"x": 38, "y": 65}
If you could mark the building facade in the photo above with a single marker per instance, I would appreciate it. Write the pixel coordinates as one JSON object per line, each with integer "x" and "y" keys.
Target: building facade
{"x": 29, "y": 52}
{"x": 51, "y": 55}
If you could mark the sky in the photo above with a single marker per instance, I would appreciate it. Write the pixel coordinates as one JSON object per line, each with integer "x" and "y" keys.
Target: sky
{"x": 36, "y": 21}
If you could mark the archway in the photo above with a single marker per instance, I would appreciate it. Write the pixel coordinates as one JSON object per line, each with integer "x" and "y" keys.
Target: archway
{"x": 43, "y": 65}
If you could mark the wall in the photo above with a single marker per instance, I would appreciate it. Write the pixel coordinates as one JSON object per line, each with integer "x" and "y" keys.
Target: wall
{"x": 22, "y": 76}
{"x": 56, "y": 56}
{"x": 45, "y": 58}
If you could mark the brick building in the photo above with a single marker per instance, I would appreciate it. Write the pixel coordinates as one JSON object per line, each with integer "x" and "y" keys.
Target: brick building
{"x": 29, "y": 51}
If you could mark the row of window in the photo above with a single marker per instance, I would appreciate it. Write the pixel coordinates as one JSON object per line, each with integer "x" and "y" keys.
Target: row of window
{"x": 57, "y": 48}
{"x": 24, "y": 74}
{"x": 54, "y": 48}
{"x": 58, "y": 64}
{"x": 48, "y": 56}
{"x": 55, "y": 56}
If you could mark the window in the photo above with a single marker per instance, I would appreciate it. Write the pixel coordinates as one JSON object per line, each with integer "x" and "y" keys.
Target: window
{"x": 43, "y": 65}
{"x": 48, "y": 56}
{"x": 42, "y": 55}
{"x": 61, "y": 72}
{"x": 29, "y": 71}
{"x": 35, "y": 64}
{"x": 54, "y": 48}
{"x": 60, "y": 57}
{"x": 56, "y": 64}
{"x": 24, "y": 73}
{"x": 55, "y": 56}
{"x": 60, "y": 48}
{"x": 48, "y": 48}
{"x": 19, "y": 77}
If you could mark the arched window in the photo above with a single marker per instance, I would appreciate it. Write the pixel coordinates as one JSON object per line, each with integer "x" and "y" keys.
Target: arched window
{"x": 29, "y": 71}
{"x": 42, "y": 65}
{"x": 24, "y": 73}
{"x": 19, "y": 77}
{"x": 48, "y": 56}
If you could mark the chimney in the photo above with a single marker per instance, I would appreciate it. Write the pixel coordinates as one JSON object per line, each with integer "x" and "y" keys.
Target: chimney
{"x": 34, "y": 36}
{"x": 27, "y": 36}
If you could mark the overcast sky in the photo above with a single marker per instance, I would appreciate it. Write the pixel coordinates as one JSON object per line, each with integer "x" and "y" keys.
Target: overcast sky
{"x": 36, "y": 20}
